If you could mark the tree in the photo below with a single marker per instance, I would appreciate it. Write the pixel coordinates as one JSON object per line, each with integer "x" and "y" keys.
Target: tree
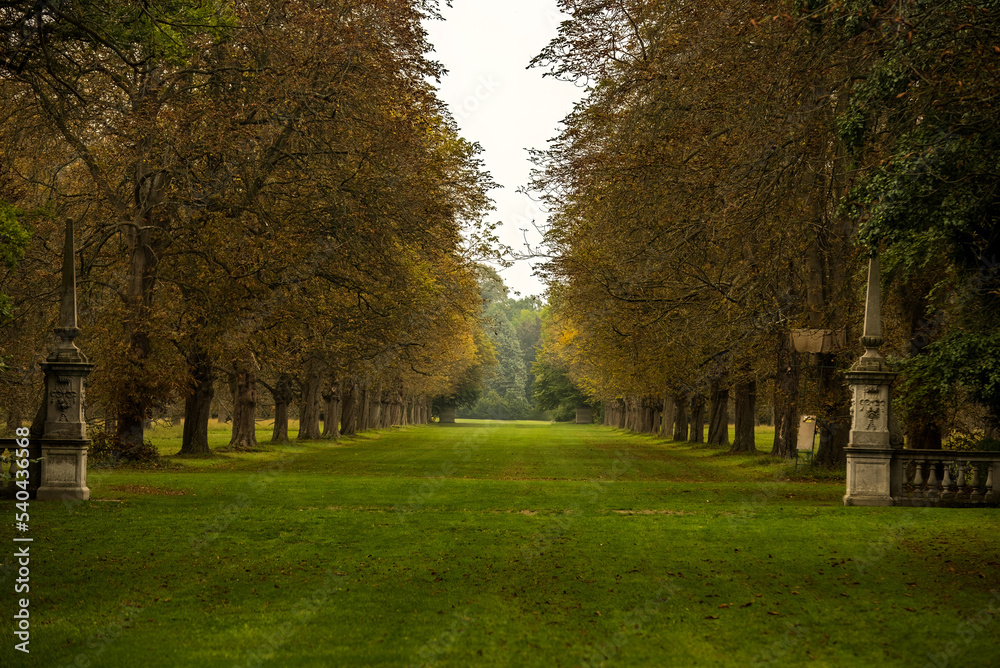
{"x": 922, "y": 125}
{"x": 262, "y": 187}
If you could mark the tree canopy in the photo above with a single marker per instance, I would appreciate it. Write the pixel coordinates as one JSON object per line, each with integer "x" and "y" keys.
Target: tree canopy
{"x": 263, "y": 190}
{"x": 722, "y": 184}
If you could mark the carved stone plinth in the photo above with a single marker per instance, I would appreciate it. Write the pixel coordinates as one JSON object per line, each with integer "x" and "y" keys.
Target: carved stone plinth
{"x": 584, "y": 415}
{"x": 448, "y": 415}
{"x": 874, "y": 477}
{"x": 65, "y": 395}
{"x": 871, "y": 407}
{"x": 64, "y": 469}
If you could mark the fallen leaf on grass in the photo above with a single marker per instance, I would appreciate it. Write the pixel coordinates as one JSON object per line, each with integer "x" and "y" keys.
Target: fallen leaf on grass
{"x": 747, "y": 605}
{"x": 712, "y": 617}
{"x": 724, "y": 605}
{"x": 142, "y": 489}
{"x": 773, "y": 612}
{"x": 910, "y": 609}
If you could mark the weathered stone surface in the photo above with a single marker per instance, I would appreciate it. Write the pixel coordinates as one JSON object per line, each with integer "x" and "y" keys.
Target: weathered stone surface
{"x": 871, "y": 408}
{"x": 874, "y": 478}
{"x": 64, "y": 470}
{"x": 448, "y": 415}
{"x": 64, "y": 441}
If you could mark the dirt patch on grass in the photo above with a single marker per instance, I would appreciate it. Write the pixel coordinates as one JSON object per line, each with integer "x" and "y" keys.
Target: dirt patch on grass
{"x": 153, "y": 491}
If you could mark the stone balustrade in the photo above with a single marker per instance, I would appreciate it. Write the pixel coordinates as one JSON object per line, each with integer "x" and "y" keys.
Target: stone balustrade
{"x": 946, "y": 478}
{"x": 930, "y": 478}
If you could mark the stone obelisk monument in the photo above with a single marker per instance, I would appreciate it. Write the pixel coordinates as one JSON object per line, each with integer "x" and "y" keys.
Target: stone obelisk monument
{"x": 869, "y": 478}
{"x": 64, "y": 440}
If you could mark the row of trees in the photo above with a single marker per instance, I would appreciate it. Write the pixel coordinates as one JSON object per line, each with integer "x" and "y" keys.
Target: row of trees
{"x": 267, "y": 194}
{"x": 513, "y": 327}
{"x": 722, "y": 184}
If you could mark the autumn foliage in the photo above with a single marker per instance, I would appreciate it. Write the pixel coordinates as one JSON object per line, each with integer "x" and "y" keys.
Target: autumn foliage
{"x": 267, "y": 195}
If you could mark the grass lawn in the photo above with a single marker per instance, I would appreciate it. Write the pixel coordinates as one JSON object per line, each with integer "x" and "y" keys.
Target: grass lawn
{"x": 499, "y": 544}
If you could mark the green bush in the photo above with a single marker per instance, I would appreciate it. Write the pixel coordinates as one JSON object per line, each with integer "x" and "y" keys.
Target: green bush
{"x": 969, "y": 441}
{"x": 106, "y": 452}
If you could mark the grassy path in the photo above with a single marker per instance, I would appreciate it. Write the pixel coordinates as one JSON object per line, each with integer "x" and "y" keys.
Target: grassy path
{"x": 499, "y": 544}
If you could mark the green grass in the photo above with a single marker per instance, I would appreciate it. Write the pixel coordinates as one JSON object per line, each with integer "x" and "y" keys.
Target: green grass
{"x": 499, "y": 544}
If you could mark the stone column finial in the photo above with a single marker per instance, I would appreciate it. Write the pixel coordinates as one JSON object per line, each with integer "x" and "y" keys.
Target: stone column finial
{"x": 66, "y": 350}
{"x": 871, "y": 339}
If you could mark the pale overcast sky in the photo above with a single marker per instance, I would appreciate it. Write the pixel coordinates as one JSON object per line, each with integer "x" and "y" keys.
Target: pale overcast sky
{"x": 486, "y": 46}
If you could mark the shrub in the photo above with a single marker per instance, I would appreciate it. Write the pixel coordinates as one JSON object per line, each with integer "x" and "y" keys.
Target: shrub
{"x": 106, "y": 451}
{"x": 965, "y": 441}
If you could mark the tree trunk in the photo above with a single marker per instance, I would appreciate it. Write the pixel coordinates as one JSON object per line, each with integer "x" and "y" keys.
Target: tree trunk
{"x": 669, "y": 415}
{"x": 746, "y": 411}
{"x": 349, "y": 417}
{"x": 374, "y": 402}
{"x": 14, "y": 417}
{"x": 681, "y": 425}
{"x": 833, "y": 437}
{"x": 309, "y": 403}
{"x": 697, "y": 431}
{"x": 134, "y": 392}
{"x": 243, "y": 386}
{"x": 718, "y": 421}
{"x": 923, "y": 427}
{"x": 363, "y": 409}
{"x": 923, "y": 437}
{"x": 786, "y": 394}
{"x": 198, "y": 406}
{"x": 283, "y": 394}
{"x": 331, "y": 425}
{"x": 834, "y": 431}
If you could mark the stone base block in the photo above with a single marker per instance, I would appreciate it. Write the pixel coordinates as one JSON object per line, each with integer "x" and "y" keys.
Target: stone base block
{"x": 63, "y": 494}
{"x": 64, "y": 470}
{"x": 859, "y": 500}
{"x": 872, "y": 477}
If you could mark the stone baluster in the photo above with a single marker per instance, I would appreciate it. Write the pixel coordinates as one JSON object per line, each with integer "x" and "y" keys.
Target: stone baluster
{"x": 989, "y": 482}
{"x": 976, "y": 496}
{"x": 946, "y": 485}
{"x": 918, "y": 480}
{"x": 962, "y": 490}
{"x": 933, "y": 484}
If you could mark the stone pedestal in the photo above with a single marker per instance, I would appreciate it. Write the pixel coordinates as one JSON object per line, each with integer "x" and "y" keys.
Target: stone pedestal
{"x": 64, "y": 469}
{"x": 65, "y": 394}
{"x": 64, "y": 440}
{"x": 448, "y": 415}
{"x": 874, "y": 477}
{"x": 871, "y": 403}
{"x": 584, "y": 415}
